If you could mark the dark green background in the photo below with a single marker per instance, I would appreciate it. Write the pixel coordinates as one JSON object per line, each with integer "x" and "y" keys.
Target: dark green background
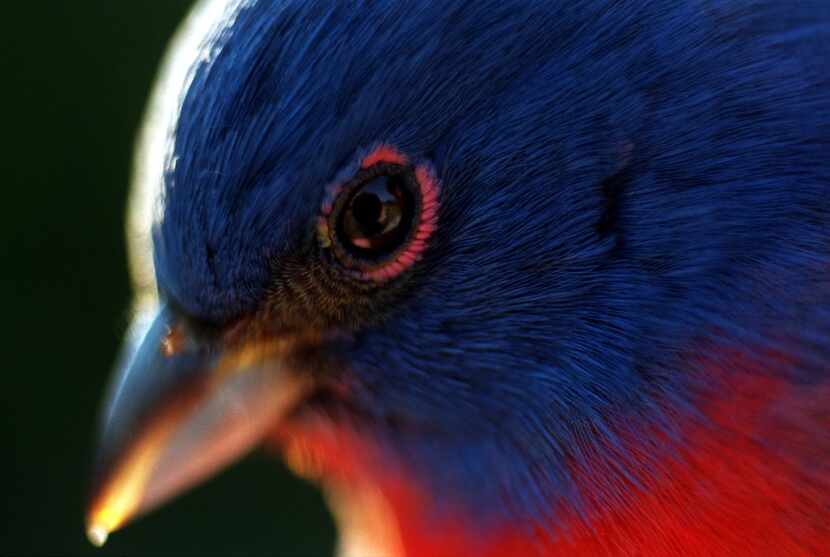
{"x": 74, "y": 79}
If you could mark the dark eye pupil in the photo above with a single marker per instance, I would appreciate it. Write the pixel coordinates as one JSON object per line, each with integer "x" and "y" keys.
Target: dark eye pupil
{"x": 367, "y": 210}
{"x": 377, "y": 217}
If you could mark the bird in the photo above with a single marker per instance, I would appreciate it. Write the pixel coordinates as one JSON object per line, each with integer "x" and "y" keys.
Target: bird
{"x": 503, "y": 277}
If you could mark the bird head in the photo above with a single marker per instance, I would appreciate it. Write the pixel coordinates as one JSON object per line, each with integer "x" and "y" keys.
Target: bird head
{"x": 426, "y": 241}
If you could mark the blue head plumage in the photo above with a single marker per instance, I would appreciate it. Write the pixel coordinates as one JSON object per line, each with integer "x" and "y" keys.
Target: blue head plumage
{"x": 621, "y": 186}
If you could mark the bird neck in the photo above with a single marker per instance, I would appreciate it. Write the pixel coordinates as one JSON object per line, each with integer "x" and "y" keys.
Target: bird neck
{"x": 750, "y": 474}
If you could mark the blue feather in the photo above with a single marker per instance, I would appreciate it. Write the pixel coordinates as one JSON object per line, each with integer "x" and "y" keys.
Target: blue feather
{"x": 621, "y": 182}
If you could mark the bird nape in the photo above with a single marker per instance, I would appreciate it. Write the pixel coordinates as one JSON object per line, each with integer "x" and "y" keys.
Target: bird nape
{"x": 504, "y": 277}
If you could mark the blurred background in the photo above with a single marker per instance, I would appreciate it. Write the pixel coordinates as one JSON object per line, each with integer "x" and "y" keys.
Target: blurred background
{"x": 74, "y": 80}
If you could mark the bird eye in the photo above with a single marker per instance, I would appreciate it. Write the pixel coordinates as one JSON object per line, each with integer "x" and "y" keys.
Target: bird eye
{"x": 377, "y": 223}
{"x": 377, "y": 217}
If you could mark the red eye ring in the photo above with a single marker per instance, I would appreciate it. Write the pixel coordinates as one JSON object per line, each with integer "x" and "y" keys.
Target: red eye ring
{"x": 378, "y": 223}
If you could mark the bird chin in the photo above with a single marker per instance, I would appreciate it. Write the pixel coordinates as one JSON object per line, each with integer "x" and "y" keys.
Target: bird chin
{"x": 344, "y": 464}
{"x": 366, "y": 522}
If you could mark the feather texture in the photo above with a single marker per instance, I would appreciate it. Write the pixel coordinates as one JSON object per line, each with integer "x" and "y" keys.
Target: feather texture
{"x": 619, "y": 340}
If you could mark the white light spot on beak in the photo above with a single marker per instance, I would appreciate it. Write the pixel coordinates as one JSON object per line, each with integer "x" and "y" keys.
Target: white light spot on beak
{"x": 97, "y": 535}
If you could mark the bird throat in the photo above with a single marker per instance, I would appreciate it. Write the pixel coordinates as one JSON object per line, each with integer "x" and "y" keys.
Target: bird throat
{"x": 366, "y": 523}
{"x": 721, "y": 481}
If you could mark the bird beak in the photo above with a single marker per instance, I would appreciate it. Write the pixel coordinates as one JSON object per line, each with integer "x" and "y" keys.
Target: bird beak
{"x": 180, "y": 407}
